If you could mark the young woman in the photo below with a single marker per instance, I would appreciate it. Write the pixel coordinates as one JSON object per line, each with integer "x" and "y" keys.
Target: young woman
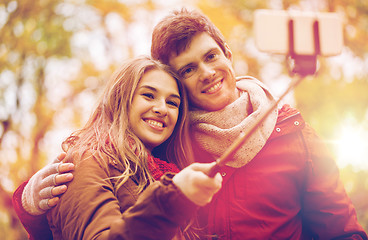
{"x": 114, "y": 195}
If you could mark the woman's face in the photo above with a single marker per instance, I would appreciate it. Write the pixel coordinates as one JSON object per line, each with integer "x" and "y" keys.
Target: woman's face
{"x": 155, "y": 108}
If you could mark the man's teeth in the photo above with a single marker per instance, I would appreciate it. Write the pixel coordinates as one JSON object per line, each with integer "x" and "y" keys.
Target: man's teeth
{"x": 214, "y": 87}
{"x": 155, "y": 123}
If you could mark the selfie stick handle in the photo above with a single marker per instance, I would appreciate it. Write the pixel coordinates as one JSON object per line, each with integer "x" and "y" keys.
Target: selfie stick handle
{"x": 303, "y": 66}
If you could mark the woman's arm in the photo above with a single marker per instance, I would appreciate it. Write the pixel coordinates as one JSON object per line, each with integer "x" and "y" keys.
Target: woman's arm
{"x": 91, "y": 210}
{"x": 168, "y": 204}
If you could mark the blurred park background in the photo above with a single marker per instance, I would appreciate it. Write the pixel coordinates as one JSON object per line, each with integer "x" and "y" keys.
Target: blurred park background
{"x": 56, "y": 54}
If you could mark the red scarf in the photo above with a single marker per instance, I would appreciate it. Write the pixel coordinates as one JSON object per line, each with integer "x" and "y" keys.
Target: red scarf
{"x": 158, "y": 167}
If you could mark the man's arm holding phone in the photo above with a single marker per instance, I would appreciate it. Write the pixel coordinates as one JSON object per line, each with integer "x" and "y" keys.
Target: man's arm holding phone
{"x": 41, "y": 192}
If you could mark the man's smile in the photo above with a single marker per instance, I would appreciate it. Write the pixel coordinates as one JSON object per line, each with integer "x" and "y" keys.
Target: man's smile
{"x": 213, "y": 88}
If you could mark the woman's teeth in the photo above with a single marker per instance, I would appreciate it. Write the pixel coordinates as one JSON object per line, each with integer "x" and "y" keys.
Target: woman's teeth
{"x": 155, "y": 123}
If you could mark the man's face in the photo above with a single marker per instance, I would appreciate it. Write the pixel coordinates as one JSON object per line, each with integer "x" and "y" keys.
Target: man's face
{"x": 206, "y": 73}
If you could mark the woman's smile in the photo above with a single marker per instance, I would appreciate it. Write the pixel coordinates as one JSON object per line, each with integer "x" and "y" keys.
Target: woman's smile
{"x": 155, "y": 108}
{"x": 158, "y": 125}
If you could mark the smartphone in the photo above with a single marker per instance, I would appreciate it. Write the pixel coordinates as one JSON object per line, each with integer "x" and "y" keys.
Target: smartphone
{"x": 272, "y": 32}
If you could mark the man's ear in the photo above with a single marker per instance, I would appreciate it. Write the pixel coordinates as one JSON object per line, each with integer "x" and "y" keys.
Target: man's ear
{"x": 228, "y": 53}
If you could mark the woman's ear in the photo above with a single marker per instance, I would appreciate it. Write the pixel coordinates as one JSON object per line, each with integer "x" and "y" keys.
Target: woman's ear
{"x": 228, "y": 52}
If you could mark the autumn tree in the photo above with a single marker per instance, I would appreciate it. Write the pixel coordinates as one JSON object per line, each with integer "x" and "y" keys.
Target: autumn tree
{"x": 54, "y": 57}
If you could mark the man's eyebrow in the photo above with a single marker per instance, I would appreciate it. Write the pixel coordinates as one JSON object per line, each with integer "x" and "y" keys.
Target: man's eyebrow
{"x": 183, "y": 67}
{"x": 211, "y": 50}
{"x": 191, "y": 63}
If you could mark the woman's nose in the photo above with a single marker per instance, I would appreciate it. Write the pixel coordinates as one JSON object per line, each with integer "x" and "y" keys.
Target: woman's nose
{"x": 160, "y": 108}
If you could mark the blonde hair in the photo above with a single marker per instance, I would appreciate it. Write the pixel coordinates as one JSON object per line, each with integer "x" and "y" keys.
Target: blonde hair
{"x": 107, "y": 132}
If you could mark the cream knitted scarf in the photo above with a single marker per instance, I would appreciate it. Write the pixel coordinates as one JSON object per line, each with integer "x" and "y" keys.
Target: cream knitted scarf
{"x": 215, "y": 131}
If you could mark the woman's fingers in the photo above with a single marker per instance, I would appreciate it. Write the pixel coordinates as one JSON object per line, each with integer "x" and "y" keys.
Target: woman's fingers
{"x": 196, "y": 184}
{"x": 203, "y": 167}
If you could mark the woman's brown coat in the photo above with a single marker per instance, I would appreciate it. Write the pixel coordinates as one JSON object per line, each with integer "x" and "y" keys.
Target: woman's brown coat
{"x": 91, "y": 210}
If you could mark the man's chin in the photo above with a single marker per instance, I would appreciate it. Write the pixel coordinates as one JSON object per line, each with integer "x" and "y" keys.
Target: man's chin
{"x": 211, "y": 107}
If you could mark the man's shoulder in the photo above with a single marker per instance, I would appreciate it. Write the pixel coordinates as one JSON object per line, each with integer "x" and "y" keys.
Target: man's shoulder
{"x": 286, "y": 112}
{"x": 289, "y": 120}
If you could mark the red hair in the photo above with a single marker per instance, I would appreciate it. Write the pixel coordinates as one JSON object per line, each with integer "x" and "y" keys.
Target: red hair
{"x": 173, "y": 34}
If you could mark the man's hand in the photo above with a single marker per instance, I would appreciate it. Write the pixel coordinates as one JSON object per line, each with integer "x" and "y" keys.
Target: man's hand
{"x": 194, "y": 182}
{"x": 45, "y": 186}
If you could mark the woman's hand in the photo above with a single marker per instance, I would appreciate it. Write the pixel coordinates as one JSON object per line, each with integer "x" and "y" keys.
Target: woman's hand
{"x": 45, "y": 186}
{"x": 196, "y": 185}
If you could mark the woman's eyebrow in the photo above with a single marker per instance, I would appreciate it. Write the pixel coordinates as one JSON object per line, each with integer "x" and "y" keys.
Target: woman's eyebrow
{"x": 149, "y": 87}
{"x": 155, "y": 90}
{"x": 175, "y": 96}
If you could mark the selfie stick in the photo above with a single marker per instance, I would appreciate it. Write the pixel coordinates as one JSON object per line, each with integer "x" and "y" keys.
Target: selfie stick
{"x": 303, "y": 65}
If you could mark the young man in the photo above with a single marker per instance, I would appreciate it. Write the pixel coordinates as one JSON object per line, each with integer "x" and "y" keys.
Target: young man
{"x": 282, "y": 184}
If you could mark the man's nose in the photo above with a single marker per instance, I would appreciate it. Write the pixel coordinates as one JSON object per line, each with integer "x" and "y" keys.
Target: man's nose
{"x": 206, "y": 72}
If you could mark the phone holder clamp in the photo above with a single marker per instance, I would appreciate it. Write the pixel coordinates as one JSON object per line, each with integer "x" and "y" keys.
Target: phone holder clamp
{"x": 303, "y": 64}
